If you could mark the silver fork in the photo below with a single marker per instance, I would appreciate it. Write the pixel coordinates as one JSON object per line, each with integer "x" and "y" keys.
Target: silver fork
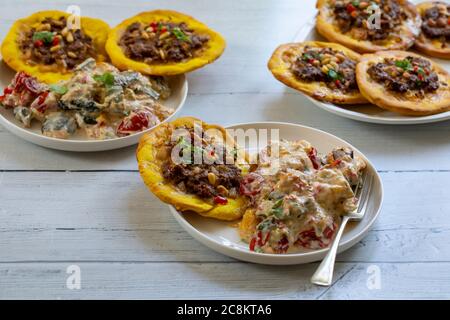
{"x": 324, "y": 273}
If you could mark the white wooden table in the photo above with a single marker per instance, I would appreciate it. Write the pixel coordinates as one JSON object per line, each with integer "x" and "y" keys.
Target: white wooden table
{"x": 59, "y": 209}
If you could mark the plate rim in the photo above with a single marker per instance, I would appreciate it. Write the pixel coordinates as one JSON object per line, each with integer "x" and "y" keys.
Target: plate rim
{"x": 103, "y": 145}
{"x": 281, "y": 259}
{"x": 302, "y": 34}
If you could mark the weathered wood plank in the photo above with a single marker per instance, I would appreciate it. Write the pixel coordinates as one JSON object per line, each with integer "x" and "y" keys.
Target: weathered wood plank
{"x": 114, "y": 218}
{"x": 224, "y": 281}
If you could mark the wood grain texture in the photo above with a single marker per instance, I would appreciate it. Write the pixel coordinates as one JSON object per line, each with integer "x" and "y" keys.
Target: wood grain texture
{"x": 93, "y": 210}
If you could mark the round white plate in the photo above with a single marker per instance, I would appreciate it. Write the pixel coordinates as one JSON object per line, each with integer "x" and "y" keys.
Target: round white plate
{"x": 367, "y": 113}
{"x": 179, "y": 88}
{"x": 223, "y": 236}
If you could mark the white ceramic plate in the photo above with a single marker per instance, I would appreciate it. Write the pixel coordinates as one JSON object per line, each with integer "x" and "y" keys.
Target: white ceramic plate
{"x": 179, "y": 88}
{"x": 223, "y": 236}
{"x": 369, "y": 112}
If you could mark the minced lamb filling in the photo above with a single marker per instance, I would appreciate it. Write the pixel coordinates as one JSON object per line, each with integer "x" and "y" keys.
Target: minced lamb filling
{"x": 52, "y": 43}
{"x": 354, "y": 17}
{"x": 405, "y": 75}
{"x": 161, "y": 42}
{"x": 436, "y": 22}
{"x": 326, "y": 65}
{"x": 215, "y": 179}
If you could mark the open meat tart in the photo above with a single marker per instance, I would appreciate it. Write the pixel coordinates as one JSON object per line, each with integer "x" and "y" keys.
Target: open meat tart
{"x": 404, "y": 82}
{"x": 435, "y": 37}
{"x": 194, "y": 166}
{"x": 163, "y": 43}
{"x": 355, "y": 25}
{"x": 46, "y": 46}
{"x": 322, "y": 70}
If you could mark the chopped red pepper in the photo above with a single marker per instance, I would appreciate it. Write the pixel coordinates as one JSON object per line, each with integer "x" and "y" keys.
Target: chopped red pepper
{"x": 153, "y": 24}
{"x": 55, "y": 41}
{"x": 7, "y": 90}
{"x": 312, "y": 154}
{"x": 163, "y": 30}
{"x": 251, "y": 184}
{"x": 252, "y": 244}
{"x": 220, "y": 200}
{"x": 350, "y": 8}
{"x": 38, "y": 43}
{"x": 335, "y": 163}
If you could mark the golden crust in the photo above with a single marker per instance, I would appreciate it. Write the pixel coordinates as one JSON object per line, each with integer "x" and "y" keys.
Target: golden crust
{"x": 215, "y": 45}
{"x": 407, "y": 33}
{"x": 377, "y": 94}
{"x": 150, "y": 161}
{"x": 247, "y": 226}
{"x": 280, "y": 66}
{"x": 427, "y": 45}
{"x": 13, "y": 57}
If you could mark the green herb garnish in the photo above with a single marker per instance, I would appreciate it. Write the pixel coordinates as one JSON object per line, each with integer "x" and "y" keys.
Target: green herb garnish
{"x": 334, "y": 75}
{"x": 58, "y": 89}
{"x": 277, "y": 212}
{"x": 180, "y": 35}
{"x": 45, "y": 36}
{"x": 404, "y": 64}
{"x": 107, "y": 79}
{"x": 355, "y": 3}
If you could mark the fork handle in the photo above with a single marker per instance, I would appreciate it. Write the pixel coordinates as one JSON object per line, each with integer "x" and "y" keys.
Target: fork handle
{"x": 324, "y": 273}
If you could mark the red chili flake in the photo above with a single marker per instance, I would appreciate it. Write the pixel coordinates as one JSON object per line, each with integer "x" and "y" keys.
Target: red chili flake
{"x": 163, "y": 30}
{"x": 354, "y": 14}
{"x": 7, "y": 90}
{"x": 55, "y": 41}
{"x": 220, "y": 200}
{"x": 338, "y": 82}
{"x": 153, "y": 24}
{"x": 421, "y": 77}
{"x": 38, "y": 43}
{"x": 312, "y": 154}
{"x": 350, "y": 8}
{"x": 252, "y": 244}
{"x": 311, "y": 61}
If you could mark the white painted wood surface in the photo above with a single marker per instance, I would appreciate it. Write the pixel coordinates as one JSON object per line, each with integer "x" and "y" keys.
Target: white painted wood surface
{"x": 59, "y": 209}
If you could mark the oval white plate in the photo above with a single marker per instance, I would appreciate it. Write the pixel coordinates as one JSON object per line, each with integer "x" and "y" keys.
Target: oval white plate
{"x": 179, "y": 88}
{"x": 367, "y": 113}
{"x": 223, "y": 236}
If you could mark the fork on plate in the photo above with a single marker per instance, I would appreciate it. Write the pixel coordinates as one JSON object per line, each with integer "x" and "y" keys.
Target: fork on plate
{"x": 324, "y": 273}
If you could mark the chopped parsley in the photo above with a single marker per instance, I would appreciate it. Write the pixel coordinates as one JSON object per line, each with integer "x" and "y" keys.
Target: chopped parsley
{"x": 180, "y": 35}
{"x": 44, "y": 36}
{"x": 58, "y": 89}
{"x": 404, "y": 64}
{"x": 107, "y": 79}
{"x": 334, "y": 75}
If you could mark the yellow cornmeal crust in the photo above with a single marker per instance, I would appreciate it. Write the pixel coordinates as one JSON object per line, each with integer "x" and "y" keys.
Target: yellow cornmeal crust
{"x": 96, "y": 29}
{"x": 378, "y": 94}
{"x": 151, "y": 156}
{"x": 408, "y": 31}
{"x": 280, "y": 66}
{"x": 429, "y": 46}
{"x": 212, "y": 50}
